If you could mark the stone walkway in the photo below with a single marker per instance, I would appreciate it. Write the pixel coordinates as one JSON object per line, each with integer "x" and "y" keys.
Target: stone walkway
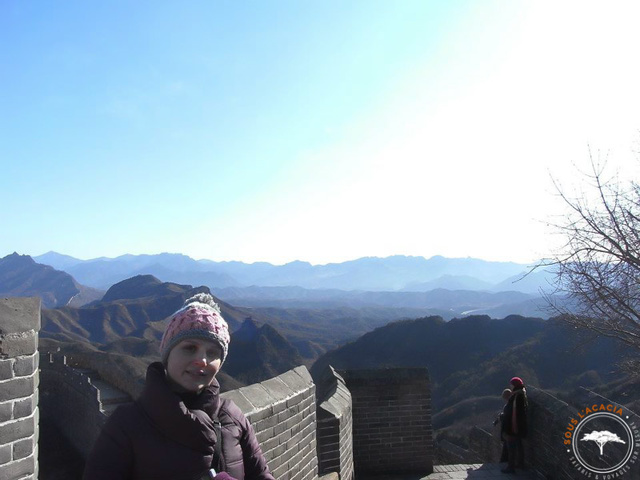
{"x": 476, "y": 471}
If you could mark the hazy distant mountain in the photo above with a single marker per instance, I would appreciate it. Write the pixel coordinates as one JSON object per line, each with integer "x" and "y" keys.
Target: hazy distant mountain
{"x": 104, "y": 272}
{"x": 446, "y": 303}
{"x": 528, "y": 282}
{"x": 57, "y": 260}
{"x": 21, "y": 276}
{"x": 449, "y": 282}
{"x": 476, "y": 356}
{"x": 369, "y": 273}
{"x": 383, "y": 274}
{"x": 259, "y": 352}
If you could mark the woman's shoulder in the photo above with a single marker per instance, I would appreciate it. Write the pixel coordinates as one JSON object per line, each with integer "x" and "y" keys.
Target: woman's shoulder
{"x": 126, "y": 416}
{"x": 231, "y": 411}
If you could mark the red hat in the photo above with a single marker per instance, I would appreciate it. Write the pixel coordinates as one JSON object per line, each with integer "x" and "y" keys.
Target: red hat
{"x": 517, "y": 382}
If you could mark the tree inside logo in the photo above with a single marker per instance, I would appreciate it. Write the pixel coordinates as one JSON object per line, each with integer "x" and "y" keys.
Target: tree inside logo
{"x": 602, "y": 440}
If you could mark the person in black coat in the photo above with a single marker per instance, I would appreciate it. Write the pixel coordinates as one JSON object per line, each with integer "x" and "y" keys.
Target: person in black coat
{"x": 180, "y": 428}
{"x": 506, "y": 394}
{"x": 515, "y": 424}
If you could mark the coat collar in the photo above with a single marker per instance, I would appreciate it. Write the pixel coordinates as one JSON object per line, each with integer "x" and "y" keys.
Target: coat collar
{"x": 186, "y": 418}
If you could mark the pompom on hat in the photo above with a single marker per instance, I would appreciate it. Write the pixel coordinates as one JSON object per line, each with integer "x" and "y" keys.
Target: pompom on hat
{"x": 516, "y": 382}
{"x": 199, "y": 317}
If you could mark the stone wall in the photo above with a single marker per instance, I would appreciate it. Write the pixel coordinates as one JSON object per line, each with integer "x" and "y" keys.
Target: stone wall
{"x": 548, "y": 421}
{"x": 19, "y": 327}
{"x": 485, "y": 445}
{"x": 335, "y": 426}
{"x": 71, "y": 402}
{"x": 392, "y": 430}
{"x": 282, "y": 411}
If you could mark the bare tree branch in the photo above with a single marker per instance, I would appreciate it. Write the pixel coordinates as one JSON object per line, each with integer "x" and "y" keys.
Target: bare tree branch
{"x": 597, "y": 270}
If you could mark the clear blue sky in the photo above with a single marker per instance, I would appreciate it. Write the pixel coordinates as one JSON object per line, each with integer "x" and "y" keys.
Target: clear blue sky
{"x": 312, "y": 130}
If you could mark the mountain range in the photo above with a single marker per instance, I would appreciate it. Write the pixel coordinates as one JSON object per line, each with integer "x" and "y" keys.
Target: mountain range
{"x": 393, "y": 273}
{"x": 277, "y": 327}
{"x": 120, "y": 334}
{"x": 21, "y": 276}
{"x": 470, "y": 361}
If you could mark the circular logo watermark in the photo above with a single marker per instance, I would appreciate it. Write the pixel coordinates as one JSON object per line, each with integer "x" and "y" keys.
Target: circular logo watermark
{"x": 602, "y": 442}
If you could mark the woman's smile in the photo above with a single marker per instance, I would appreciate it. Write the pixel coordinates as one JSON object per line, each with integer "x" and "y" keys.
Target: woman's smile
{"x": 193, "y": 363}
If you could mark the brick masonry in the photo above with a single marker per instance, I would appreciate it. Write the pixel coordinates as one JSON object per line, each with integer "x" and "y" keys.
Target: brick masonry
{"x": 392, "y": 430}
{"x": 334, "y": 426}
{"x": 73, "y": 401}
{"x": 282, "y": 411}
{"x": 19, "y": 379}
{"x": 549, "y": 420}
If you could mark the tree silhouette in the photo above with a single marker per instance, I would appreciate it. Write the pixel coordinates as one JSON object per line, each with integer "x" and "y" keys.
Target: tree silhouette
{"x": 601, "y": 438}
{"x": 598, "y": 268}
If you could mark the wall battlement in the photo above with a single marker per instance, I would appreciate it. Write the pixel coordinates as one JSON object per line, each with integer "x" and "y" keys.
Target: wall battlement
{"x": 335, "y": 425}
{"x": 73, "y": 401}
{"x": 282, "y": 411}
{"x": 19, "y": 415}
{"x": 365, "y": 421}
{"x": 392, "y": 430}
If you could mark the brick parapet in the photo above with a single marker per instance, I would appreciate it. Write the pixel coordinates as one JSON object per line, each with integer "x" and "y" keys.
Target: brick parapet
{"x": 73, "y": 402}
{"x": 335, "y": 426}
{"x": 392, "y": 431}
{"x": 19, "y": 380}
{"x": 282, "y": 411}
{"x": 549, "y": 418}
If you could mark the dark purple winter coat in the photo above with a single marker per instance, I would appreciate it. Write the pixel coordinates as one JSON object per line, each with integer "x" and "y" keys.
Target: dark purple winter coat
{"x": 166, "y": 436}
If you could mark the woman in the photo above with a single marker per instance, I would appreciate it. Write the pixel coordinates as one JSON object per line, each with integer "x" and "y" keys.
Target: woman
{"x": 506, "y": 394}
{"x": 515, "y": 424}
{"x": 180, "y": 428}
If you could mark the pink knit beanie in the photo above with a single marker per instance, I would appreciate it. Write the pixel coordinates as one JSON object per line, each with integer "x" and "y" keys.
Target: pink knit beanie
{"x": 199, "y": 317}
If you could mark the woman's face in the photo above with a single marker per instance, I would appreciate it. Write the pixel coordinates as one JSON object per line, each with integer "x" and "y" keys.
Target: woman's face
{"x": 193, "y": 363}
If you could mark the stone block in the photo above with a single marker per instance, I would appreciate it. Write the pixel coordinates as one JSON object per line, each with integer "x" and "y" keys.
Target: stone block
{"x": 25, "y": 365}
{"x": 265, "y": 434}
{"x": 265, "y": 423}
{"x": 298, "y": 398}
{"x": 330, "y": 476}
{"x": 10, "y": 432}
{"x": 19, "y": 469}
{"x": 17, "y": 388}
{"x": 279, "y": 451}
{"x": 23, "y": 448}
{"x": 21, "y": 343}
{"x": 239, "y": 399}
{"x": 6, "y": 411}
{"x": 19, "y": 314}
{"x": 269, "y": 444}
{"x": 280, "y": 471}
{"x": 5, "y": 454}
{"x": 277, "y": 388}
{"x": 279, "y": 407}
{"x": 258, "y": 396}
{"x": 6, "y": 369}
{"x": 24, "y": 408}
{"x": 295, "y": 380}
